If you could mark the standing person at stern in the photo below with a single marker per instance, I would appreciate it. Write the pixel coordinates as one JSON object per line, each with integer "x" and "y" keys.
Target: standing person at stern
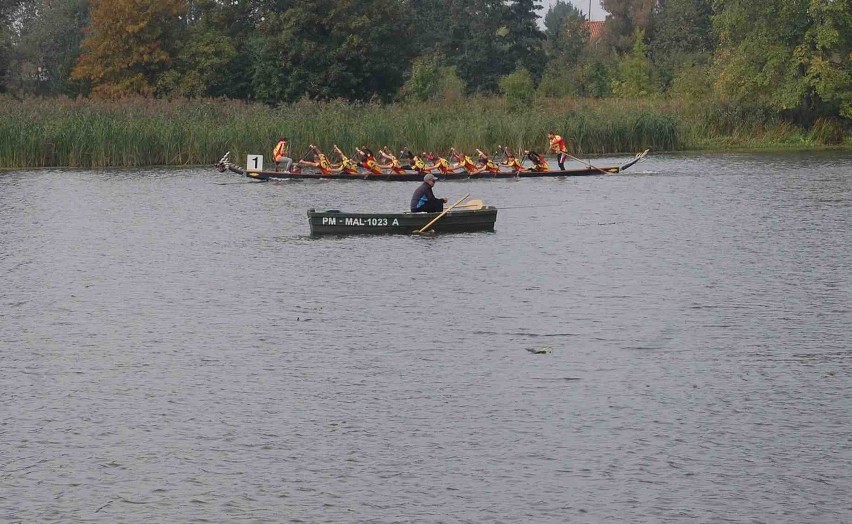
{"x": 558, "y": 146}
{"x": 424, "y": 200}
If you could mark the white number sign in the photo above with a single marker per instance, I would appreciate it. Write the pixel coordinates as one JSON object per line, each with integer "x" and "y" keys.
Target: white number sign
{"x": 254, "y": 162}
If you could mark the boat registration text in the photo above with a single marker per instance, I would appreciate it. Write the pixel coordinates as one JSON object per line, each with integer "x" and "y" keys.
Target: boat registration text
{"x": 362, "y": 221}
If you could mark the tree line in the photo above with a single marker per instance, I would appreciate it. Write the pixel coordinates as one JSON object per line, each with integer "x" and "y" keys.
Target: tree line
{"x": 788, "y": 57}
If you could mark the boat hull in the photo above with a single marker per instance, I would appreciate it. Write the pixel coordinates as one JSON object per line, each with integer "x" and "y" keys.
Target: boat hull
{"x": 417, "y": 177}
{"x": 333, "y": 222}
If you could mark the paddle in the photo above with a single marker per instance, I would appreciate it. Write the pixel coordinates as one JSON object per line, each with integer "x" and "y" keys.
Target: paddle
{"x": 444, "y": 212}
{"x": 588, "y": 164}
{"x": 473, "y": 205}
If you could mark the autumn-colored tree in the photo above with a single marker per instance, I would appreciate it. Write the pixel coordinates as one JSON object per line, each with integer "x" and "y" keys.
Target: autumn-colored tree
{"x": 130, "y": 44}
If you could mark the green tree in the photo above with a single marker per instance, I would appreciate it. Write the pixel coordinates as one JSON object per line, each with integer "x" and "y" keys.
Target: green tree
{"x": 825, "y": 55}
{"x": 481, "y": 44}
{"x": 431, "y": 80}
{"x": 436, "y": 25}
{"x": 525, "y": 41}
{"x": 567, "y": 42}
{"x": 203, "y": 62}
{"x": 10, "y": 13}
{"x": 682, "y": 38}
{"x": 518, "y": 88}
{"x": 130, "y": 45}
{"x": 634, "y": 72}
{"x": 626, "y": 17}
{"x": 483, "y": 39}
{"x": 555, "y": 17}
{"x": 789, "y": 55}
{"x": 235, "y": 21}
{"x": 595, "y": 73}
{"x": 567, "y": 33}
{"x": 47, "y": 47}
{"x": 327, "y": 49}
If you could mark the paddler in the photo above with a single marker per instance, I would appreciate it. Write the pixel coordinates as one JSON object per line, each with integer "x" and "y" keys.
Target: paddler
{"x": 539, "y": 163}
{"x": 424, "y": 200}
{"x": 510, "y": 160}
{"x": 439, "y": 163}
{"x": 320, "y": 162}
{"x": 463, "y": 161}
{"x": 279, "y": 154}
{"x": 346, "y": 164}
{"x": 486, "y": 163}
{"x": 368, "y": 161}
{"x": 557, "y": 145}
{"x": 393, "y": 163}
{"x": 414, "y": 161}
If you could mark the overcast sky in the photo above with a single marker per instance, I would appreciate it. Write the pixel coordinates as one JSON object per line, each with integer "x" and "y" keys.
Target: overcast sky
{"x": 583, "y": 5}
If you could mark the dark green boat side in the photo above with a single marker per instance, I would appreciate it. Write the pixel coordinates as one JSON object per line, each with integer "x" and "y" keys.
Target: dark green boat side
{"x": 334, "y": 222}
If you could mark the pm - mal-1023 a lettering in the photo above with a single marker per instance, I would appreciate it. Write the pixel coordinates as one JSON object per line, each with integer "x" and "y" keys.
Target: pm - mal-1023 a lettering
{"x": 361, "y": 221}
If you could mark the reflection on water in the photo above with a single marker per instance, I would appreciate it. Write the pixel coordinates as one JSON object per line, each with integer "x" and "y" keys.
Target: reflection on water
{"x": 670, "y": 343}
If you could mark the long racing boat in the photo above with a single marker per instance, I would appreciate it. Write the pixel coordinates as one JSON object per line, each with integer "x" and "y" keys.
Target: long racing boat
{"x": 225, "y": 164}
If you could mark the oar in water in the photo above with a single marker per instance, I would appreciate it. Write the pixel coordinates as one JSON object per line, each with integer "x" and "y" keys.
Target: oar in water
{"x": 588, "y": 164}
{"x": 444, "y": 212}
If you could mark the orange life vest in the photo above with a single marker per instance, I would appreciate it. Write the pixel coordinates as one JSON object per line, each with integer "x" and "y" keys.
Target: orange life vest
{"x": 324, "y": 165}
{"x": 417, "y": 164}
{"x": 557, "y": 144}
{"x": 490, "y": 166}
{"x": 349, "y": 167}
{"x": 468, "y": 164}
{"x": 280, "y": 151}
{"x": 373, "y": 166}
{"x": 513, "y": 163}
{"x": 396, "y": 167}
{"x": 541, "y": 165}
{"x": 443, "y": 165}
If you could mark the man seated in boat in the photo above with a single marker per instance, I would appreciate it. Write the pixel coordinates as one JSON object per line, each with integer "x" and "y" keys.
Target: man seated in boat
{"x": 486, "y": 164}
{"x": 393, "y": 163}
{"x": 320, "y": 162}
{"x": 463, "y": 161}
{"x": 424, "y": 200}
{"x": 539, "y": 163}
{"x": 279, "y": 154}
{"x": 510, "y": 160}
{"x": 557, "y": 145}
{"x": 347, "y": 165}
{"x": 368, "y": 161}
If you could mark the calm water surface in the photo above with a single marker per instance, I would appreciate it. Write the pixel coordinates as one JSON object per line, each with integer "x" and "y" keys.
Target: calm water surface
{"x": 174, "y": 347}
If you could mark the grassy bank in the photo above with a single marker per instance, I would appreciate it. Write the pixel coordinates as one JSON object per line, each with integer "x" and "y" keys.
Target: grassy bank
{"x": 137, "y": 132}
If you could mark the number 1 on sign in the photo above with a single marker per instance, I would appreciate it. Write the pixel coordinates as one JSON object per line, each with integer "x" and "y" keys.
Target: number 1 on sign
{"x": 255, "y": 162}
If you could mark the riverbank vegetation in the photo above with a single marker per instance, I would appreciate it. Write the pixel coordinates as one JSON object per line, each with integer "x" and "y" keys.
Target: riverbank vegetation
{"x": 140, "y": 82}
{"x": 42, "y": 132}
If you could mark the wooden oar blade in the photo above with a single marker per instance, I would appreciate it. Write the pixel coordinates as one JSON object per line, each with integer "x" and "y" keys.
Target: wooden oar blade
{"x": 444, "y": 212}
{"x": 472, "y": 205}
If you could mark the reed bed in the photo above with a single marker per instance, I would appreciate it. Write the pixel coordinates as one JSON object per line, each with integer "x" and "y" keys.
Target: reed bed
{"x": 142, "y": 132}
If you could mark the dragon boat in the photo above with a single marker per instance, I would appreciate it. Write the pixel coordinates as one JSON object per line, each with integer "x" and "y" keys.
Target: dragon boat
{"x": 225, "y": 164}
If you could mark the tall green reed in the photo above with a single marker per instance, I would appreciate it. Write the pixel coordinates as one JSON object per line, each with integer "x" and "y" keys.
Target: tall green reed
{"x": 41, "y": 132}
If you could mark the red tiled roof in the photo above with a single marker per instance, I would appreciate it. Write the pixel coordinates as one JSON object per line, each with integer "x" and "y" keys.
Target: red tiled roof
{"x": 596, "y": 30}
